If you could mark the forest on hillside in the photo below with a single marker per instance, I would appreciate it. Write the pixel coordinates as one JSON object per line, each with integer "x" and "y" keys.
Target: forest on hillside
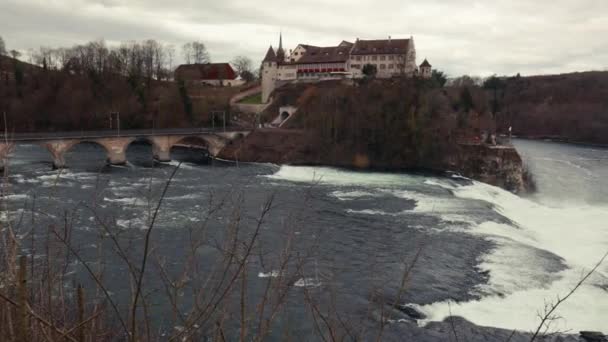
{"x": 79, "y": 88}
{"x": 571, "y": 107}
{"x": 391, "y": 121}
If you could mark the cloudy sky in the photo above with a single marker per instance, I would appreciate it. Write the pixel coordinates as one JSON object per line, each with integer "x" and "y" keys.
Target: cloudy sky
{"x": 457, "y": 36}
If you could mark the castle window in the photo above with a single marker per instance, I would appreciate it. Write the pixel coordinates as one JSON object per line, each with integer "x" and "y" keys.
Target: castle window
{"x": 391, "y": 57}
{"x": 391, "y": 66}
{"x": 374, "y": 58}
{"x": 382, "y": 66}
{"x": 382, "y": 58}
{"x": 358, "y": 58}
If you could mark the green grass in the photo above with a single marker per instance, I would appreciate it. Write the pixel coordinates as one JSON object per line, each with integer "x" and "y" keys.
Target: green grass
{"x": 252, "y": 99}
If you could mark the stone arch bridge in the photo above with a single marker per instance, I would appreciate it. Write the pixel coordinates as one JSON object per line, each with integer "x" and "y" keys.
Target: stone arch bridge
{"x": 116, "y": 143}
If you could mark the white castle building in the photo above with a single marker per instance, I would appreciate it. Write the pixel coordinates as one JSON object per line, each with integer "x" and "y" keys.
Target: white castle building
{"x": 391, "y": 57}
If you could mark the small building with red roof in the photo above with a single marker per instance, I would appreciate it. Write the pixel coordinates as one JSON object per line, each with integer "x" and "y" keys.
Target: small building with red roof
{"x": 213, "y": 74}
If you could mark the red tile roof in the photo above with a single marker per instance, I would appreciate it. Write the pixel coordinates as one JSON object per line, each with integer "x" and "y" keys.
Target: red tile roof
{"x": 331, "y": 54}
{"x": 381, "y": 47}
{"x": 209, "y": 71}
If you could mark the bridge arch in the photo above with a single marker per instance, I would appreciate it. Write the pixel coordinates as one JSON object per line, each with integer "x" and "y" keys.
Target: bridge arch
{"x": 115, "y": 149}
{"x": 183, "y": 149}
{"x": 140, "y": 151}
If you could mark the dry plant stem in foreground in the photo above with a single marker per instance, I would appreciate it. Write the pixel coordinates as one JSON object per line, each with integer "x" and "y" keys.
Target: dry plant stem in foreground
{"x": 145, "y": 255}
{"x": 549, "y": 312}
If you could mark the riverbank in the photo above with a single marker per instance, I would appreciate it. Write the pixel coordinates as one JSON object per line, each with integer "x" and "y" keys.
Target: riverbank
{"x": 496, "y": 165}
{"x": 560, "y": 139}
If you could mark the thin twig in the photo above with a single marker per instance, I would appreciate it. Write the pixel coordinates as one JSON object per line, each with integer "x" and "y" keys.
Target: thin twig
{"x": 559, "y": 301}
{"x": 146, "y": 248}
{"x": 30, "y": 312}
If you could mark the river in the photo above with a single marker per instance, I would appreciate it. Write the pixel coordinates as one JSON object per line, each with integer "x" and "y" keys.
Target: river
{"x": 485, "y": 254}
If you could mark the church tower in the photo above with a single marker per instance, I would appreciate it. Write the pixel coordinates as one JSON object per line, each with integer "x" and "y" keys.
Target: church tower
{"x": 269, "y": 74}
{"x": 280, "y": 51}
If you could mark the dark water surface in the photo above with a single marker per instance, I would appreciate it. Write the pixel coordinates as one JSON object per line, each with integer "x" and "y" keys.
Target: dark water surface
{"x": 484, "y": 254}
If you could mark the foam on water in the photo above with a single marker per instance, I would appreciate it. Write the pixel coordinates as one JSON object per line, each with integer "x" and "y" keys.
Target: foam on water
{"x": 378, "y": 185}
{"x": 132, "y": 223}
{"x": 183, "y": 166}
{"x": 307, "y": 282}
{"x": 271, "y": 274}
{"x": 370, "y": 212}
{"x": 521, "y": 280}
{"x": 541, "y": 254}
{"x": 15, "y": 196}
{"x": 129, "y": 201}
{"x": 328, "y": 175}
{"x": 349, "y": 195}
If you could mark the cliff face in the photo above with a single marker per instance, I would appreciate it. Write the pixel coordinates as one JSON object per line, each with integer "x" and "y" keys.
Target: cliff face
{"x": 501, "y": 166}
{"x": 276, "y": 146}
{"x": 497, "y": 165}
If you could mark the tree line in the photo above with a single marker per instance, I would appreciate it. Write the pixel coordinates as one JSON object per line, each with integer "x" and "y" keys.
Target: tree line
{"x": 148, "y": 59}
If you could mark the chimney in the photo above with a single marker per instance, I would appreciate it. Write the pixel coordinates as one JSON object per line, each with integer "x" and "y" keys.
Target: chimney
{"x": 389, "y": 39}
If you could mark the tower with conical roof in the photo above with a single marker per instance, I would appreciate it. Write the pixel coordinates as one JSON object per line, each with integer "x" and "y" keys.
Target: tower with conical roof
{"x": 269, "y": 71}
{"x": 426, "y": 69}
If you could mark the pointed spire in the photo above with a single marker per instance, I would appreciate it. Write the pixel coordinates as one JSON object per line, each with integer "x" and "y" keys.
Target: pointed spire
{"x": 425, "y": 64}
{"x": 280, "y": 51}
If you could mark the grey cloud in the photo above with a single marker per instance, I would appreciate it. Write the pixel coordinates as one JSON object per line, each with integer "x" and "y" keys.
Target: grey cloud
{"x": 460, "y": 37}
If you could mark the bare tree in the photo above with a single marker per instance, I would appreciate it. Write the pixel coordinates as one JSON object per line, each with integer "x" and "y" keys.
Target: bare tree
{"x": 187, "y": 53}
{"x": 242, "y": 64}
{"x": 160, "y": 60}
{"x": 2, "y": 47}
{"x": 149, "y": 48}
{"x": 170, "y": 51}
{"x": 465, "y": 81}
{"x": 15, "y": 54}
{"x": 195, "y": 52}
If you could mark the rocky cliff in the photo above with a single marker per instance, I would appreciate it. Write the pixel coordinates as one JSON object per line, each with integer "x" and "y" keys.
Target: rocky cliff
{"x": 497, "y": 165}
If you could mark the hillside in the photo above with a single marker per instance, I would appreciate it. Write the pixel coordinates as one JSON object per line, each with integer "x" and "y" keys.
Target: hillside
{"x": 393, "y": 122}
{"x": 571, "y": 107}
{"x": 36, "y": 99}
{"x": 388, "y": 125}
